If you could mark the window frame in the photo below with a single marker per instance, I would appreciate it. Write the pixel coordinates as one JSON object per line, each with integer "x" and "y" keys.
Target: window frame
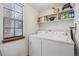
{"x": 14, "y": 28}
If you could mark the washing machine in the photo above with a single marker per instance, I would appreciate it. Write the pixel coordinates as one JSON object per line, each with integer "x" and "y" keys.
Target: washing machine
{"x": 51, "y": 44}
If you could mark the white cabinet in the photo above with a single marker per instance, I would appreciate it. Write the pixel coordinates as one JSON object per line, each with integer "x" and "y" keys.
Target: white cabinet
{"x": 53, "y": 48}
{"x": 34, "y": 47}
{"x": 45, "y": 47}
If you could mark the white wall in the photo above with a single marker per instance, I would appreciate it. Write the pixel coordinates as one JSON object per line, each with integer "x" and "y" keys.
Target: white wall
{"x": 1, "y": 24}
{"x": 77, "y": 28}
{"x": 47, "y": 12}
{"x": 15, "y": 48}
{"x": 56, "y": 26}
{"x": 30, "y": 16}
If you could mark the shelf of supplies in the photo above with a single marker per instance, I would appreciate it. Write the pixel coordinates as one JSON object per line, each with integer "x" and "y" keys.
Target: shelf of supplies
{"x": 59, "y": 20}
{"x": 62, "y": 12}
{"x": 71, "y": 19}
{"x": 68, "y": 10}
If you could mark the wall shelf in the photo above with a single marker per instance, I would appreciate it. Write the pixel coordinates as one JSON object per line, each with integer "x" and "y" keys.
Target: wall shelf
{"x": 64, "y": 16}
{"x": 56, "y": 21}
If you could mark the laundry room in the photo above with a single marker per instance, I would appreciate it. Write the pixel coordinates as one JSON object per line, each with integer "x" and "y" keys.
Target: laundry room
{"x": 39, "y": 29}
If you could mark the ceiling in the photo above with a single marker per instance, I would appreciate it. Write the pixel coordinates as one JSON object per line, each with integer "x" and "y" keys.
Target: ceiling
{"x": 43, "y": 6}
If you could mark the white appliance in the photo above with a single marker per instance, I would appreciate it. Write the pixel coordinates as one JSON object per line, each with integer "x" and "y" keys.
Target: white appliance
{"x": 51, "y": 44}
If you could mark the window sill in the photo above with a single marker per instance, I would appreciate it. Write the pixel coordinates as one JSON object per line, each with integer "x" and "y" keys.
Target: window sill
{"x": 11, "y": 39}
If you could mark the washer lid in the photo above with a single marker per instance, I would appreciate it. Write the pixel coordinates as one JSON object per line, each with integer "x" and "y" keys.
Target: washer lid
{"x": 57, "y": 38}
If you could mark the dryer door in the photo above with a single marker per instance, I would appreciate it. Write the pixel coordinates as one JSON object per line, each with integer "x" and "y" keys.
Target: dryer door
{"x": 34, "y": 46}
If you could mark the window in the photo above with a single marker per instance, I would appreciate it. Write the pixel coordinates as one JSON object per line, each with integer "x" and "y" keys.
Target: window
{"x": 12, "y": 20}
